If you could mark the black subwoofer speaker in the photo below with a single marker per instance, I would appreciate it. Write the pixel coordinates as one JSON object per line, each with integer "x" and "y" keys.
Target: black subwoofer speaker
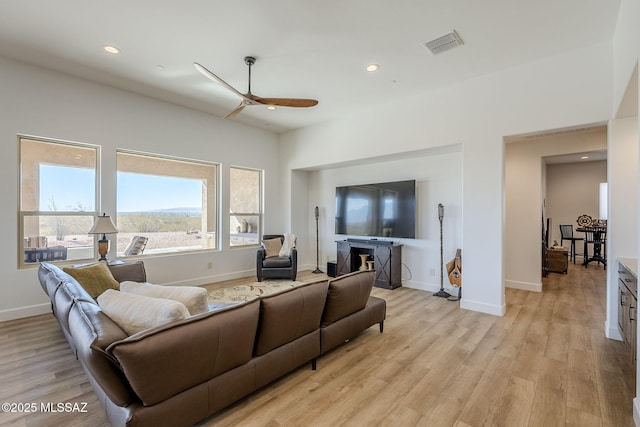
{"x": 332, "y": 268}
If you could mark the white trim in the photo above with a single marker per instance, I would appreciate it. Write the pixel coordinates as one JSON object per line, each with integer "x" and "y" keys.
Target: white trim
{"x": 207, "y": 280}
{"x": 482, "y": 307}
{"x": 22, "y": 312}
{"x": 612, "y": 331}
{"x": 525, "y": 286}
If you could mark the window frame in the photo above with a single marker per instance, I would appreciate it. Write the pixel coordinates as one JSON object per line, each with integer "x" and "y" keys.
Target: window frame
{"x": 213, "y": 214}
{"x": 26, "y": 213}
{"x": 259, "y": 214}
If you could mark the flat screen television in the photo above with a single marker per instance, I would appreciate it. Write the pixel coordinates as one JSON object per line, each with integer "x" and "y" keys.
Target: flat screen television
{"x": 386, "y": 209}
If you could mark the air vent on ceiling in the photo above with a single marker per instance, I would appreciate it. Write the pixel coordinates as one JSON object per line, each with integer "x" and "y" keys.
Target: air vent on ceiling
{"x": 444, "y": 43}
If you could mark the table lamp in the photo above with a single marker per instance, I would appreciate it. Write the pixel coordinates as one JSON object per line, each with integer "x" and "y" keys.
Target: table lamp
{"x": 104, "y": 226}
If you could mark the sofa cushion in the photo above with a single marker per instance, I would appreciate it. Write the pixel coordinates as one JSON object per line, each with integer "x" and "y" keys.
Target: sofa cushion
{"x": 135, "y": 313}
{"x": 162, "y": 362}
{"x": 272, "y": 247}
{"x": 94, "y": 278}
{"x": 350, "y": 326}
{"x": 289, "y": 315}
{"x": 92, "y": 333}
{"x": 193, "y": 297}
{"x": 347, "y": 294}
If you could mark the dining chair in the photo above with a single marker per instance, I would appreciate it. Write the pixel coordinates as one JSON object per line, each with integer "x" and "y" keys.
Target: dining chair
{"x": 566, "y": 233}
{"x": 597, "y": 236}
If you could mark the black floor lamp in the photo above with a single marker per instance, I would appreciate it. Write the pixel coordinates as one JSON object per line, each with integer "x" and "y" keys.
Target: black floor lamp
{"x": 317, "y": 270}
{"x": 441, "y": 293}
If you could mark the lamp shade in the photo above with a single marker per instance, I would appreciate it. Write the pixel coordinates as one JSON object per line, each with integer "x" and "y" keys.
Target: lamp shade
{"x": 103, "y": 225}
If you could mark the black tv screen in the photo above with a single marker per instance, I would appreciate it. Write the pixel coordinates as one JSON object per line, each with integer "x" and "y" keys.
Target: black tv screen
{"x": 386, "y": 209}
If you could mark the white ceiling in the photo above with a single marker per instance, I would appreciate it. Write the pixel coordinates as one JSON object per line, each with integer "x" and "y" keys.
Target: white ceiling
{"x": 306, "y": 49}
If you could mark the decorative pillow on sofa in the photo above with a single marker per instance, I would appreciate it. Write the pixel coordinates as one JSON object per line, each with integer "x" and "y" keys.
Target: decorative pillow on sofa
{"x": 135, "y": 313}
{"x": 95, "y": 278}
{"x": 193, "y": 297}
{"x": 272, "y": 247}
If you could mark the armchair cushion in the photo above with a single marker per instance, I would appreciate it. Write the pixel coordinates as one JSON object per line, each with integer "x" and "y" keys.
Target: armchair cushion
{"x": 272, "y": 247}
{"x": 277, "y": 262}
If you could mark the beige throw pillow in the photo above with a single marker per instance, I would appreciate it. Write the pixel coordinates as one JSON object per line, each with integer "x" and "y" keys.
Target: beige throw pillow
{"x": 135, "y": 313}
{"x": 95, "y": 278}
{"x": 272, "y": 247}
{"x": 193, "y": 297}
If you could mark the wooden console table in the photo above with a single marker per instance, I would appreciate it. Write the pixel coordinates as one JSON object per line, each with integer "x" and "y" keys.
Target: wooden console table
{"x": 386, "y": 256}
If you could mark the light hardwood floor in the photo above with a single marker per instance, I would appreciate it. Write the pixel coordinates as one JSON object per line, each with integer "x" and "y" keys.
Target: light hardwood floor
{"x": 545, "y": 363}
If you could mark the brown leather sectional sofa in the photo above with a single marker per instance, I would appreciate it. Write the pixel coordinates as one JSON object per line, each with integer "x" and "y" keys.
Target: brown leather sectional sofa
{"x": 182, "y": 372}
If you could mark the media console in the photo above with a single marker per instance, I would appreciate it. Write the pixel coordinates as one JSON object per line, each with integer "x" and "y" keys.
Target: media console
{"x": 386, "y": 256}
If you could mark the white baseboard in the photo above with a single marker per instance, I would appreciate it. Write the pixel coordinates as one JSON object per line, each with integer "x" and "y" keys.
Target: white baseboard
{"x": 199, "y": 281}
{"x": 22, "y": 312}
{"x": 525, "y": 286}
{"x": 482, "y": 307}
{"x": 636, "y": 412}
{"x": 612, "y": 332}
{"x": 429, "y": 287}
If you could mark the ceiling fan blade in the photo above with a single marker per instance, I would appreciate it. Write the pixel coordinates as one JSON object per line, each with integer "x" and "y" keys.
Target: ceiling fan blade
{"x": 217, "y": 79}
{"x": 236, "y": 111}
{"x": 286, "y": 102}
{"x": 250, "y": 99}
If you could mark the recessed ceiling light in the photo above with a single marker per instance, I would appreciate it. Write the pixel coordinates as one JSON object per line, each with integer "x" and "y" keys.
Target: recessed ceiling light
{"x": 271, "y": 107}
{"x": 111, "y": 49}
{"x": 372, "y": 67}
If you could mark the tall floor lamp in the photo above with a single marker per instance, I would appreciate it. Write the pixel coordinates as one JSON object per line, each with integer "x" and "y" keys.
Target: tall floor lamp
{"x": 317, "y": 270}
{"x": 441, "y": 293}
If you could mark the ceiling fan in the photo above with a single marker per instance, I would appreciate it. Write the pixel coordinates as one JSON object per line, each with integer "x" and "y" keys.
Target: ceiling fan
{"x": 251, "y": 99}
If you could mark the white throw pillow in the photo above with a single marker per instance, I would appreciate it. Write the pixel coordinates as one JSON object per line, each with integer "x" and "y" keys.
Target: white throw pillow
{"x": 135, "y": 313}
{"x": 193, "y": 297}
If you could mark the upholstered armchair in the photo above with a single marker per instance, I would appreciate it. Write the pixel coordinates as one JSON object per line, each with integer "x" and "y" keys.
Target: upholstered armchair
{"x": 271, "y": 264}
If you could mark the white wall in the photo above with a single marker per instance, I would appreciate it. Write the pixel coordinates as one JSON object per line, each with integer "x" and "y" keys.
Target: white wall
{"x": 561, "y": 91}
{"x": 524, "y": 196}
{"x": 573, "y": 189}
{"x": 38, "y": 102}
{"x": 438, "y": 178}
{"x": 626, "y": 52}
{"x": 623, "y": 209}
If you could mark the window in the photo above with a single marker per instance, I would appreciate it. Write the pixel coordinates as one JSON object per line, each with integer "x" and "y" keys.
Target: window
{"x": 165, "y": 204}
{"x": 57, "y": 200}
{"x": 245, "y": 206}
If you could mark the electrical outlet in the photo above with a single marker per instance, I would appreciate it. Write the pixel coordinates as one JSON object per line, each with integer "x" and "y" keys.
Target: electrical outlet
{"x": 209, "y": 265}
{"x": 432, "y": 272}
